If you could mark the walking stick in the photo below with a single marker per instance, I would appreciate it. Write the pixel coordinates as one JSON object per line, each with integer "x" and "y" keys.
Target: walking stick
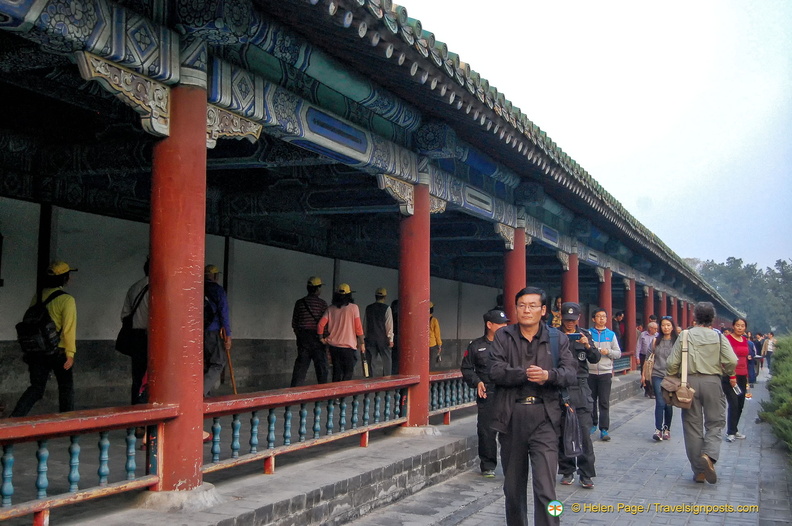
{"x": 230, "y": 364}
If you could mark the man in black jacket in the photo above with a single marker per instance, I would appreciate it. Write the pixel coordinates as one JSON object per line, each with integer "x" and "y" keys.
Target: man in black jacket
{"x": 579, "y": 396}
{"x": 475, "y": 372}
{"x": 527, "y": 406}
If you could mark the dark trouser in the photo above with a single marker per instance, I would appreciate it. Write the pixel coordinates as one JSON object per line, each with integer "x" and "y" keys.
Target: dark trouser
{"x": 752, "y": 371}
{"x": 769, "y": 357}
{"x": 344, "y": 360}
{"x": 663, "y": 412}
{"x": 600, "y": 385}
{"x": 531, "y": 442}
{"x": 139, "y": 359}
{"x": 395, "y": 357}
{"x": 487, "y": 445}
{"x": 735, "y": 402}
{"x": 214, "y": 359}
{"x": 379, "y": 355}
{"x": 39, "y": 368}
{"x": 309, "y": 347}
{"x": 703, "y": 423}
{"x": 584, "y": 462}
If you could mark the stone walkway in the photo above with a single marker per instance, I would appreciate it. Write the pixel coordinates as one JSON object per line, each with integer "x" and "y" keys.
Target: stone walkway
{"x": 633, "y": 471}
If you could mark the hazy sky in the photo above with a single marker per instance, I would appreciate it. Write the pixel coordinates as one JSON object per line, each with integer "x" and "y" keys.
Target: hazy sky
{"x": 681, "y": 110}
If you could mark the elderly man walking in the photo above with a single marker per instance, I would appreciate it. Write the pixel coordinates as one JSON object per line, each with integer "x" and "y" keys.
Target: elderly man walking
{"x": 710, "y": 355}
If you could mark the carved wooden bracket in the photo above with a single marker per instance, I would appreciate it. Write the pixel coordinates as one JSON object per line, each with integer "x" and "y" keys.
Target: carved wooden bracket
{"x": 563, "y": 257}
{"x": 223, "y": 123}
{"x": 436, "y": 205}
{"x": 507, "y": 233}
{"x": 402, "y": 191}
{"x": 147, "y": 97}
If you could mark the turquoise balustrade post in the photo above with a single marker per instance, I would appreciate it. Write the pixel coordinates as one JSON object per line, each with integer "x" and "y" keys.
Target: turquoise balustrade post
{"x": 287, "y": 418}
{"x": 355, "y": 409}
{"x": 330, "y": 411}
{"x": 377, "y": 407}
{"x": 236, "y": 424}
{"x": 216, "y": 439}
{"x": 303, "y": 422}
{"x": 387, "y": 397}
{"x": 254, "y": 427}
{"x": 131, "y": 465}
{"x": 317, "y": 423}
{"x": 104, "y": 457}
{"x": 7, "y": 488}
{"x": 271, "y": 429}
{"x": 342, "y": 415}
{"x": 366, "y": 408}
{"x": 42, "y": 454}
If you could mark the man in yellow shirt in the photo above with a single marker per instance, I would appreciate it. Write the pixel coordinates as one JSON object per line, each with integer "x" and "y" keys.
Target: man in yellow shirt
{"x": 63, "y": 311}
{"x": 435, "y": 341}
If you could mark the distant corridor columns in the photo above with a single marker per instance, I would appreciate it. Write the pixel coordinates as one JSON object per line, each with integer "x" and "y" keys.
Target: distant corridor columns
{"x": 663, "y": 311}
{"x": 630, "y": 319}
{"x": 683, "y": 309}
{"x": 605, "y": 293}
{"x": 648, "y": 305}
{"x": 178, "y": 234}
{"x": 674, "y": 314}
{"x": 569, "y": 277}
{"x": 414, "y": 246}
{"x": 514, "y": 270}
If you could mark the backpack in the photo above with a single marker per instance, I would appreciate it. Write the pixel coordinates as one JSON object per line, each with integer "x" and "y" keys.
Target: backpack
{"x": 36, "y": 333}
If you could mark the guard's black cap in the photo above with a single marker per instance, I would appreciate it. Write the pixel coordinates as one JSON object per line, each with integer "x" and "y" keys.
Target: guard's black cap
{"x": 496, "y": 316}
{"x": 570, "y": 311}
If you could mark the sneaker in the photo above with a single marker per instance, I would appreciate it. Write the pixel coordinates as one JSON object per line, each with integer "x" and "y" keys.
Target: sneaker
{"x": 592, "y": 430}
{"x": 658, "y": 435}
{"x": 666, "y": 433}
{"x": 567, "y": 480}
{"x": 729, "y": 438}
{"x": 586, "y": 482}
{"x": 709, "y": 469}
{"x": 699, "y": 478}
{"x": 739, "y": 435}
{"x": 604, "y": 436}
{"x": 488, "y": 473}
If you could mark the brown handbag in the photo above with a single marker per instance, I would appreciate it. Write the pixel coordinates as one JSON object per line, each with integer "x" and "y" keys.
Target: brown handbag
{"x": 676, "y": 390}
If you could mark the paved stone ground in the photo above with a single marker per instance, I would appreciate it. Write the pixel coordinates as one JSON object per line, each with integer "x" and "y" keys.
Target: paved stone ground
{"x": 633, "y": 470}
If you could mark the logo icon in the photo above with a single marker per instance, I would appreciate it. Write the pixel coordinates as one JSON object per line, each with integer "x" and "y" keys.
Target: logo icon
{"x": 555, "y": 508}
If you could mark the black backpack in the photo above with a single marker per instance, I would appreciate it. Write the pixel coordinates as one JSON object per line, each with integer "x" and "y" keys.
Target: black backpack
{"x": 36, "y": 333}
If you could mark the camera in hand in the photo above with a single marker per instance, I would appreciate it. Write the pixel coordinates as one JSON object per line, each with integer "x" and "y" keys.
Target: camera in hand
{"x": 574, "y": 336}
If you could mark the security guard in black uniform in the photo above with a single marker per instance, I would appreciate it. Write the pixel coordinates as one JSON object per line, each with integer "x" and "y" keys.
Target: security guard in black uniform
{"x": 475, "y": 372}
{"x": 579, "y": 397}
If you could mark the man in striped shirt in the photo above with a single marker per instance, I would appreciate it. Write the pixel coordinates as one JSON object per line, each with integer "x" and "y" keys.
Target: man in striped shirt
{"x": 305, "y": 318}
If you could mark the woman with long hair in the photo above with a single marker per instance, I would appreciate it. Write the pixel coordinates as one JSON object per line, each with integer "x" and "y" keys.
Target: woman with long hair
{"x": 736, "y": 386}
{"x": 661, "y": 347}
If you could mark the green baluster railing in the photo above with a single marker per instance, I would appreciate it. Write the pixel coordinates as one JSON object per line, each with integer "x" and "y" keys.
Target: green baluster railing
{"x": 287, "y": 418}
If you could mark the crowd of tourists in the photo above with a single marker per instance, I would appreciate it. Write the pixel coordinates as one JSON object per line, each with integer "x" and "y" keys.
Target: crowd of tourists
{"x": 530, "y": 377}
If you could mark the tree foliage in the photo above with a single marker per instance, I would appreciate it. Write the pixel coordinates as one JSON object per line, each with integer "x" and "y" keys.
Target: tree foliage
{"x": 764, "y": 295}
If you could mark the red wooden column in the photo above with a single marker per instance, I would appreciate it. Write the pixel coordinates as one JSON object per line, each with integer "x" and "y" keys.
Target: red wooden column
{"x": 414, "y": 304}
{"x": 605, "y": 293}
{"x": 514, "y": 270}
{"x": 569, "y": 280}
{"x": 663, "y": 305}
{"x": 674, "y": 314}
{"x": 648, "y": 304}
{"x": 178, "y": 232}
{"x": 630, "y": 319}
{"x": 683, "y": 312}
